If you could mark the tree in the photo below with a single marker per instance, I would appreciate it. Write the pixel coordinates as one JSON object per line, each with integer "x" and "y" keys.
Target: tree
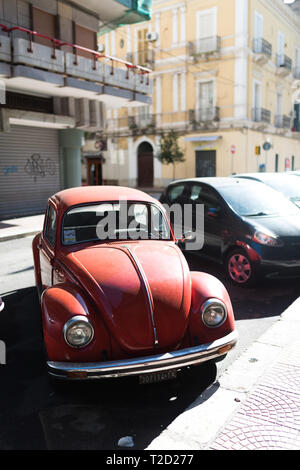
{"x": 170, "y": 152}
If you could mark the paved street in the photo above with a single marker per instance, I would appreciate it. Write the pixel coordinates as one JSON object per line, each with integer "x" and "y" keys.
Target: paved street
{"x": 36, "y": 415}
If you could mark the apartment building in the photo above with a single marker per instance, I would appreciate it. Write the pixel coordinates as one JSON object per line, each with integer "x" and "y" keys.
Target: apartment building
{"x": 226, "y": 77}
{"x": 54, "y": 84}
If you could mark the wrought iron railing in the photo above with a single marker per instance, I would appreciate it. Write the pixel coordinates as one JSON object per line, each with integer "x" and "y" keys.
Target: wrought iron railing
{"x": 261, "y": 46}
{"x": 261, "y": 115}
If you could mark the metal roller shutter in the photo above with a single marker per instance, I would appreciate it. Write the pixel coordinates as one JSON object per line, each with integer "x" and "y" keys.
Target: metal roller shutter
{"x": 29, "y": 170}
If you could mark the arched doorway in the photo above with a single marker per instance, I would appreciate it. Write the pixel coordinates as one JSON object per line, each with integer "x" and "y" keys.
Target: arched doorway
{"x": 145, "y": 165}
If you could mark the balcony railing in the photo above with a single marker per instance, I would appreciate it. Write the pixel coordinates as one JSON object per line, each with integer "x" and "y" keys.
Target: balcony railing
{"x": 282, "y": 122}
{"x": 208, "y": 45}
{"x": 181, "y": 121}
{"x": 283, "y": 61}
{"x": 99, "y": 68}
{"x": 261, "y": 115}
{"x": 261, "y": 46}
{"x": 205, "y": 115}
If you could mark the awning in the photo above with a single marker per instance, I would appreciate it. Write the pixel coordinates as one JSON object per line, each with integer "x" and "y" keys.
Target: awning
{"x": 210, "y": 138}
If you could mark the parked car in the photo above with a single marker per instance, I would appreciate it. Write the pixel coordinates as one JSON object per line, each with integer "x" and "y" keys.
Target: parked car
{"x": 117, "y": 296}
{"x": 286, "y": 183}
{"x": 248, "y": 226}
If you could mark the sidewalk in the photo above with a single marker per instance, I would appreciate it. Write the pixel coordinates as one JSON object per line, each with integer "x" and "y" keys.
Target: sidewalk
{"x": 20, "y": 227}
{"x": 256, "y": 403}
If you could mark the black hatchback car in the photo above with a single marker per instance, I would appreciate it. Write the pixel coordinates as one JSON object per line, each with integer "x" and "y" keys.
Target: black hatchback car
{"x": 249, "y": 227}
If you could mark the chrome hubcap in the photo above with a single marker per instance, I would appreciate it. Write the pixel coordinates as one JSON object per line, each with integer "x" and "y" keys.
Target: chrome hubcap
{"x": 239, "y": 268}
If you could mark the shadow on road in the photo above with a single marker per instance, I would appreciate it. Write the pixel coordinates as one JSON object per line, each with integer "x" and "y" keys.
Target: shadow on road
{"x": 35, "y": 414}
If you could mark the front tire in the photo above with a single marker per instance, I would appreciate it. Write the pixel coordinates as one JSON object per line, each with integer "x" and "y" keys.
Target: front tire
{"x": 240, "y": 269}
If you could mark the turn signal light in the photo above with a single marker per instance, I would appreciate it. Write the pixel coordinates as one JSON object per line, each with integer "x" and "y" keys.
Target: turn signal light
{"x": 224, "y": 349}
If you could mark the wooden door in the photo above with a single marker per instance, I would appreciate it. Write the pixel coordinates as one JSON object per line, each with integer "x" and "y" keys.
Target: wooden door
{"x": 145, "y": 166}
{"x": 94, "y": 172}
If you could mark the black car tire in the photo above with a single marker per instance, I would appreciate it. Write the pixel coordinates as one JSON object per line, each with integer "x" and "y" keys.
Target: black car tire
{"x": 240, "y": 269}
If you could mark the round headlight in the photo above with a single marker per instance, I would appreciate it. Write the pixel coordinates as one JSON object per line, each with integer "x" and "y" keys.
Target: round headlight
{"x": 214, "y": 313}
{"x": 78, "y": 332}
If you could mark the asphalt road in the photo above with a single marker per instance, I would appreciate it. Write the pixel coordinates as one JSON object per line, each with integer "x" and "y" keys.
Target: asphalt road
{"x": 34, "y": 414}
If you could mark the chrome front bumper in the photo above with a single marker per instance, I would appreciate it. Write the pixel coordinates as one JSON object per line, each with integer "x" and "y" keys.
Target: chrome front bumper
{"x": 143, "y": 365}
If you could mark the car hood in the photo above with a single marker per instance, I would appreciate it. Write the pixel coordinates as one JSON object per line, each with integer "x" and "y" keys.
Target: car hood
{"x": 281, "y": 226}
{"x": 142, "y": 291}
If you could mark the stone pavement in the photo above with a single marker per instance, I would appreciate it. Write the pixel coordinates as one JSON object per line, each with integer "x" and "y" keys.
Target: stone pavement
{"x": 255, "y": 405}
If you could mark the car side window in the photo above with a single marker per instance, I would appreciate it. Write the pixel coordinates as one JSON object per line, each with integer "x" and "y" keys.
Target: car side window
{"x": 50, "y": 229}
{"x": 176, "y": 192}
{"x": 196, "y": 190}
{"x": 209, "y": 199}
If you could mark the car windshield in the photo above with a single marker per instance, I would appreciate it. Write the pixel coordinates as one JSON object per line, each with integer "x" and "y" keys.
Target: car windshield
{"x": 114, "y": 221}
{"x": 257, "y": 200}
{"x": 289, "y": 186}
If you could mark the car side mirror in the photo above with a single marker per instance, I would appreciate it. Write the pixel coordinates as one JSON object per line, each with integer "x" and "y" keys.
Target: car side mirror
{"x": 186, "y": 237}
{"x": 214, "y": 212}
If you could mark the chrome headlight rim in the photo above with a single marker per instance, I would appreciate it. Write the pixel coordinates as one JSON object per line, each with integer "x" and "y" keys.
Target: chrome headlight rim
{"x": 70, "y": 323}
{"x": 208, "y": 303}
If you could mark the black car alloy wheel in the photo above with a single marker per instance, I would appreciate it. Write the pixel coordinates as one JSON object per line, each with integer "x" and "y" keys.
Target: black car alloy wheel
{"x": 240, "y": 268}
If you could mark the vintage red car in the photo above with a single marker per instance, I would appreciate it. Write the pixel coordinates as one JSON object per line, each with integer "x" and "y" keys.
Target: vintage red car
{"x": 117, "y": 295}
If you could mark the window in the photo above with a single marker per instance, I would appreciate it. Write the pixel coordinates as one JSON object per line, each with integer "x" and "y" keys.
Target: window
{"x": 209, "y": 199}
{"x": 114, "y": 221}
{"x": 280, "y": 49}
{"x": 195, "y": 192}
{"x": 258, "y": 25}
{"x": 142, "y": 47}
{"x": 206, "y": 100}
{"x": 86, "y": 38}
{"x": 206, "y": 30}
{"x": 50, "y": 229}
{"x": 175, "y": 192}
{"x": 44, "y": 23}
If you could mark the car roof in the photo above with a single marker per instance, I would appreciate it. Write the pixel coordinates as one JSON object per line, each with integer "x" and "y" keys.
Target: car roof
{"x": 93, "y": 194}
{"x": 217, "y": 181}
{"x": 266, "y": 176}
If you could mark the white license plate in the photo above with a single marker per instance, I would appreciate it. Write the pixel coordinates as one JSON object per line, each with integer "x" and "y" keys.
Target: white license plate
{"x": 157, "y": 376}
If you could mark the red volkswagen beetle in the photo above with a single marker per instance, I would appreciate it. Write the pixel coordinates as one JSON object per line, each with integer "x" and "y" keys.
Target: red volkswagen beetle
{"x": 117, "y": 295}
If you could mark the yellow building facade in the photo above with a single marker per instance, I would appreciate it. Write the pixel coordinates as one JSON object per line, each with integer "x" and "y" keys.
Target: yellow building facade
{"x": 225, "y": 78}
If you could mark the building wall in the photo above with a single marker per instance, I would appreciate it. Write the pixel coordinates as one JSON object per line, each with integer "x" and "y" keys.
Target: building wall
{"x": 234, "y": 70}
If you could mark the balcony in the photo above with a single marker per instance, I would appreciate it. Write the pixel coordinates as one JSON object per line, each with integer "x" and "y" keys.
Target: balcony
{"x": 261, "y": 115}
{"x": 149, "y": 123}
{"x": 25, "y": 64}
{"x": 282, "y": 122}
{"x": 205, "y": 47}
{"x": 283, "y": 64}
{"x": 262, "y": 50}
{"x": 114, "y": 13}
{"x": 204, "y": 117}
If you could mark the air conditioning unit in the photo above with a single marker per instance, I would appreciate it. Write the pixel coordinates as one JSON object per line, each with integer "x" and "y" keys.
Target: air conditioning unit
{"x": 151, "y": 37}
